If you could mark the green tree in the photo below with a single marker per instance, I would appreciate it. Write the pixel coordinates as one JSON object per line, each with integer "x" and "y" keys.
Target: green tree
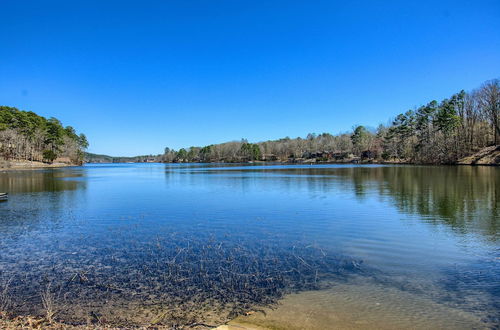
{"x": 250, "y": 151}
{"x": 359, "y": 139}
{"x": 49, "y": 156}
{"x": 446, "y": 119}
{"x": 82, "y": 141}
{"x": 25, "y": 135}
{"x": 181, "y": 155}
{"x": 205, "y": 153}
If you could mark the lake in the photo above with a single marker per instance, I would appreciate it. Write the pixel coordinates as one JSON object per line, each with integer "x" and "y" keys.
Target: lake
{"x": 279, "y": 246}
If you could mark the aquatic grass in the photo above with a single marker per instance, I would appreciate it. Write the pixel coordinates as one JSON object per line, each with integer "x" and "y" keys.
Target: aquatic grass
{"x": 49, "y": 302}
{"x": 177, "y": 280}
{"x": 5, "y": 298}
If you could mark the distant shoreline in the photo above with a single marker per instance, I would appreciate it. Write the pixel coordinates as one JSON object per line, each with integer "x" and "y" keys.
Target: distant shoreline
{"x": 41, "y": 166}
{"x": 489, "y": 156}
{"x": 304, "y": 163}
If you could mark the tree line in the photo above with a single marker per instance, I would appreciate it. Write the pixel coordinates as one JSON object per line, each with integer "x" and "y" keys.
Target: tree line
{"x": 435, "y": 133}
{"x": 24, "y": 135}
{"x": 96, "y": 158}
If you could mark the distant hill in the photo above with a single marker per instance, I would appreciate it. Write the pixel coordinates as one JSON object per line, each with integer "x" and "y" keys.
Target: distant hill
{"x": 96, "y": 158}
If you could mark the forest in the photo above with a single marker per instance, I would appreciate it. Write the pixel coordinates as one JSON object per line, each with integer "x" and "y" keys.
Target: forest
{"x": 435, "y": 133}
{"x": 96, "y": 158}
{"x": 24, "y": 135}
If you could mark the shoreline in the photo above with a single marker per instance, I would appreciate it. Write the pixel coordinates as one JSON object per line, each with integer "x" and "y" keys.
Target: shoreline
{"x": 353, "y": 305}
{"x": 30, "y": 165}
{"x": 312, "y": 163}
{"x": 26, "y": 166}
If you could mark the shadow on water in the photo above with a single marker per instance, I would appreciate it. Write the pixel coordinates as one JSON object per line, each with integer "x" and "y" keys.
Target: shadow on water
{"x": 474, "y": 287}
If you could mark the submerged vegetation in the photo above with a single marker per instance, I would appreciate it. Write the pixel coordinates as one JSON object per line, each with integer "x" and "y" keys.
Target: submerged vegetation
{"x": 175, "y": 280}
{"x": 435, "y": 133}
{"x": 24, "y": 135}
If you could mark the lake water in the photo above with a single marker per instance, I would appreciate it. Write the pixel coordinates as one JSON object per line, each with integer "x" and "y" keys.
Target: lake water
{"x": 278, "y": 246}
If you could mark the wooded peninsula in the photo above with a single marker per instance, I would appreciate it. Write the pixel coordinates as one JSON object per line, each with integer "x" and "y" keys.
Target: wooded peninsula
{"x": 464, "y": 128}
{"x": 26, "y": 136}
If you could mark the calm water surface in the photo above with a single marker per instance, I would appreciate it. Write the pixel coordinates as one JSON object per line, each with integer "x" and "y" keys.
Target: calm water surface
{"x": 126, "y": 243}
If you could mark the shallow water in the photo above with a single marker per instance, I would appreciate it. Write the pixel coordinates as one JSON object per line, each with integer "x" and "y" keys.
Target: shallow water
{"x": 181, "y": 244}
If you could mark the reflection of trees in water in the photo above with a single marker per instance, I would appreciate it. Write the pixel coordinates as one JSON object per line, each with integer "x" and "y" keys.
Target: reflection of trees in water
{"x": 466, "y": 198}
{"x": 310, "y": 179}
{"x": 37, "y": 197}
{"x": 39, "y": 181}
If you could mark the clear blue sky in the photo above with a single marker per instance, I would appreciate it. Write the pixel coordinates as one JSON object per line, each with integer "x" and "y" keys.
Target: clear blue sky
{"x": 137, "y": 76}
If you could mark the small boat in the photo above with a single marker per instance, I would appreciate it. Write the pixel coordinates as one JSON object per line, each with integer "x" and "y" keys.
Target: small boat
{"x": 4, "y": 196}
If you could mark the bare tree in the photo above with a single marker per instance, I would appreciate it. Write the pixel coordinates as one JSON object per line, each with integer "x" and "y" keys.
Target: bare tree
{"x": 489, "y": 100}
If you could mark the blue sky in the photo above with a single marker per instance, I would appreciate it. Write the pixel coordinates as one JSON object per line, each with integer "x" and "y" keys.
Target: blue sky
{"x": 137, "y": 76}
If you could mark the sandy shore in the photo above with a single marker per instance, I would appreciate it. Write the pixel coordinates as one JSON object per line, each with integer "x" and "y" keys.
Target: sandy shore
{"x": 29, "y": 165}
{"x": 356, "y": 306}
{"x": 351, "y": 306}
{"x": 348, "y": 306}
